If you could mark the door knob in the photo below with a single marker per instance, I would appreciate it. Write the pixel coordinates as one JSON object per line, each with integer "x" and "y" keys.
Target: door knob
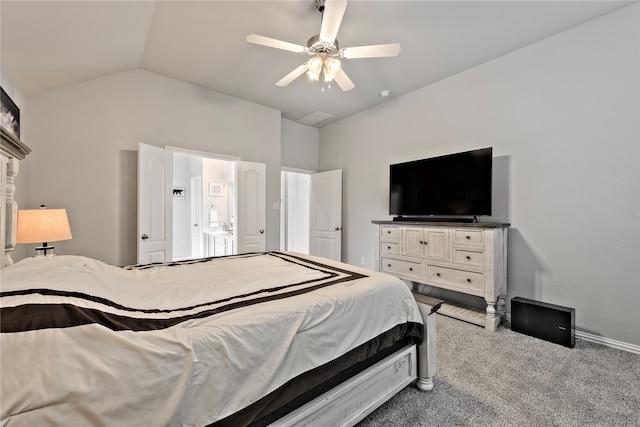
{"x": 262, "y": 231}
{"x": 145, "y": 236}
{"x": 338, "y": 228}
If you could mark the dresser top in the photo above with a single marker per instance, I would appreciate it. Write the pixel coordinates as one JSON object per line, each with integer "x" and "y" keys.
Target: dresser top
{"x": 445, "y": 223}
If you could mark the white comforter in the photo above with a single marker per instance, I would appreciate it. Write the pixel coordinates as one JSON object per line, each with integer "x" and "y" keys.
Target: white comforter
{"x": 218, "y": 357}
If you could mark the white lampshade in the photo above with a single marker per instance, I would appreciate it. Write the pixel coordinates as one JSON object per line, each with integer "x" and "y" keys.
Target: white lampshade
{"x": 333, "y": 66}
{"x": 315, "y": 67}
{"x": 43, "y": 226}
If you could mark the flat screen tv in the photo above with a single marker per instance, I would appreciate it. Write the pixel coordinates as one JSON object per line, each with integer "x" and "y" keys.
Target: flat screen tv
{"x": 454, "y": 185}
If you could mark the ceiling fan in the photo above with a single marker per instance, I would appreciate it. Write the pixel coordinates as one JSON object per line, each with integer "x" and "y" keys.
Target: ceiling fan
{"x": 323, "y": 50}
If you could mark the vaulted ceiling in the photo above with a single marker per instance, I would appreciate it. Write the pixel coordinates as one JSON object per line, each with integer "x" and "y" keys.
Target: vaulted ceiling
{"x": 49, "y": 44}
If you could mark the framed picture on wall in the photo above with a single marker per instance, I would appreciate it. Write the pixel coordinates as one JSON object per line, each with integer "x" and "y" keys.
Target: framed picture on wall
{"x": 215, "y": 189}
{"x": 10, "y": 114}
{"x": 178, "y": 192}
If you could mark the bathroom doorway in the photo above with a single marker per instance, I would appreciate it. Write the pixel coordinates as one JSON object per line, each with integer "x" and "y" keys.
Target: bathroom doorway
{"x": 233, "y": 215}
{"x": 204, "y": 217}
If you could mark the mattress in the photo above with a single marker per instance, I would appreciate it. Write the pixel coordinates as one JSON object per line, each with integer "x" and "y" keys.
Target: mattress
{"x": 213, "y": 341}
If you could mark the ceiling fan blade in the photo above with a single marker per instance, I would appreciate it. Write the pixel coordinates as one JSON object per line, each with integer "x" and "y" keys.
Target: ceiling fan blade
{"x": 331, "y": 19}
{"x": 343, "y": 81}
{"x": 293, "y": 75}
{"x": 373, "y": 51}
{"x": 278, "y": 44}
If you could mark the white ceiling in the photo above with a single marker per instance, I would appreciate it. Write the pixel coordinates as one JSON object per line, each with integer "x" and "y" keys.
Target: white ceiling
{"x": 48, "y": 44}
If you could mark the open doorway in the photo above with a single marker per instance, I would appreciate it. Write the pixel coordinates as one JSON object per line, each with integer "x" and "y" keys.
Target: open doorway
{"x": 311, "y": 212}
{"x": 233, "y": 214}
{"x": 295, "y": 188}
{"x": 203, "y": 207}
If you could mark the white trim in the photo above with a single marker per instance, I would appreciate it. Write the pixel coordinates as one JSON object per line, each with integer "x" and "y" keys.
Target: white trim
{"x": 297, "y": 170}
{"x": 632, "y": 348}
{"x": 187, "y": 152}
{"x": 596, "y": 339}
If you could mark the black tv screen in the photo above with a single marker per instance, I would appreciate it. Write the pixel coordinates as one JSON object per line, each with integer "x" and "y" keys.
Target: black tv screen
{"x": 452, "y": 185}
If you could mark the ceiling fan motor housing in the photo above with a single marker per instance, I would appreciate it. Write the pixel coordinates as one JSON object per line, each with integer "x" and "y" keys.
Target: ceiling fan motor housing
{"x": 316, "y": 47}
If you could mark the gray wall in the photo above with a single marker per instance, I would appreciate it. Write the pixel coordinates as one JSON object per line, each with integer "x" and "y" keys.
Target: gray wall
{"x": 85, "y": 139}
{"x": 300, "y": 146}
{"x": 562, "y": 117}
{"x": 71, "y": 164}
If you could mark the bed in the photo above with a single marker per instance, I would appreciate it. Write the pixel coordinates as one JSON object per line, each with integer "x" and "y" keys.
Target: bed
{"x": 273, "y": 338}
{"x": 249, "y": 339}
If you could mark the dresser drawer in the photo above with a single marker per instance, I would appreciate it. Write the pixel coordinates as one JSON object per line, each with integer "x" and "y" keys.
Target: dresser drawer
{"x": 402, "y": 268}
{"x": 390, "y": 232}
{"x": 462, "y": 236}
{"x": 468, "y": 257}
{"x": 390, "y": 248}
{"x": 469, "y": 281}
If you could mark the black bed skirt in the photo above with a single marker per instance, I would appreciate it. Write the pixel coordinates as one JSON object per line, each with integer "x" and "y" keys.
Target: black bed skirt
{"x": 311, "y": 384}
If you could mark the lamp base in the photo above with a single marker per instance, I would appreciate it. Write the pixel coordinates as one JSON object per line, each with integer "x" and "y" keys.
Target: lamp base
{"x": 45, "y": 251}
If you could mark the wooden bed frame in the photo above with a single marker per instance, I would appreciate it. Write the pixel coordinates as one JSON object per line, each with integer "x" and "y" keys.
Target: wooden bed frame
{"x": 354, "y": 399}
{"x": 345, "y": 404}
{"x": 12, "y": 152}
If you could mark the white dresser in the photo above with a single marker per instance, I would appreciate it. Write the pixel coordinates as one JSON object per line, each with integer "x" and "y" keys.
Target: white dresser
{"x": 470, "y": 258}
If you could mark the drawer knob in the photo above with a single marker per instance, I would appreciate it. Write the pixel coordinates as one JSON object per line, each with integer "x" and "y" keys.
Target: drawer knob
{"x": 388, "y": 265}
{"x": 410, "y": 268}
{"x": 468, "y": 237}
{"x": 438, "y": 274}
{"x": 389, "y": 231}
{"x": 468, "y": 280}
{"x": 388, "y": 247}
{"x": 468, "y": 257}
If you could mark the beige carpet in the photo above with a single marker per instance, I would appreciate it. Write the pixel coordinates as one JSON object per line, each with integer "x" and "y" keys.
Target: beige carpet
{"x": 509, "y": 379}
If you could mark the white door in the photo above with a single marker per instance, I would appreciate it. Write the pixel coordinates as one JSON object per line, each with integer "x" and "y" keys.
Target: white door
{"x": 326, "y": 215}
{"x": 155, "y": 208}
{"x": 197, "y": 238}
{"x": 251, "y": 221}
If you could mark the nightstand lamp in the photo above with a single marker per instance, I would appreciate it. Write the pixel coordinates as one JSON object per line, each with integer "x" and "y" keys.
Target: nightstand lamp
{"x": 43, "y": 226}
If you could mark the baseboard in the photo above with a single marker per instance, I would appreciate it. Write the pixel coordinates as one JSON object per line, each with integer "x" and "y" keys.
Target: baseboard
{"x": 632, "y": 348}
{"x": 607, "y": 342}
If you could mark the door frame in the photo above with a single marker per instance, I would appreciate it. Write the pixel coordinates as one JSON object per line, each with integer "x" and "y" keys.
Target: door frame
{"x": 197, "y": 239}
{"x": 284, "y": 206}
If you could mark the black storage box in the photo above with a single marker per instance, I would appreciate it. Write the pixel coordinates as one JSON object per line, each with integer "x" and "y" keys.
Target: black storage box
{"x": 549, "y": 322}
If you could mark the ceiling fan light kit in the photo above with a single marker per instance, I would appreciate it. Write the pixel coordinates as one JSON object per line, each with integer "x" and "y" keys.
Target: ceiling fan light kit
{"x": 324, "y": 62}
